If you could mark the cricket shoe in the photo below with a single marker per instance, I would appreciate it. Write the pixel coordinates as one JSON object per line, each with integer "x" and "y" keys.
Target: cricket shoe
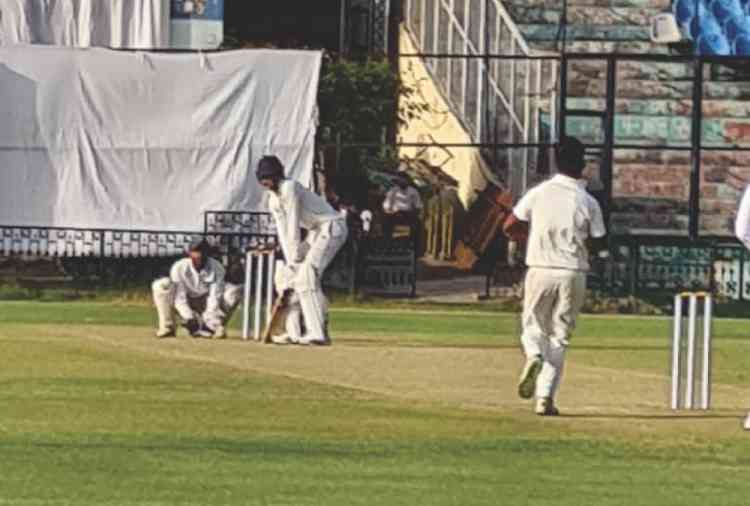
{"x": 282, "y": 339}
{"x": 746, "y": 424}
{"x": 545, "y": 406}
{"x": 527, "y": 383}
{"x": 314, "y": 341}
{"x": 220, "y": 332}
{"x": 168, "y": 332}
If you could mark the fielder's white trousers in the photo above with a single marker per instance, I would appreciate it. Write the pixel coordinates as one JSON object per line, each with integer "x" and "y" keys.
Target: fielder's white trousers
{"x": 552, "y": 300}
{"x": 324, "y": 245}
{"x": 163, "y": 291}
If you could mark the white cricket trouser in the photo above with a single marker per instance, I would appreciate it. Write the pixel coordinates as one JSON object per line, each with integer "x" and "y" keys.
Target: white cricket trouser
{"x": 552, "y": 300}
{"x": 163, "y": 291}
{"x": 324, "y": 245}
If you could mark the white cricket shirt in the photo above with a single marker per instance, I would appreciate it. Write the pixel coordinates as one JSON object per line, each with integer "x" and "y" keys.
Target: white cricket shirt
{"x": 398, "y": 200}
{"x": 190, "y": 283}
{"x": 562, "y": 215}
{"x": 293, "y": 208}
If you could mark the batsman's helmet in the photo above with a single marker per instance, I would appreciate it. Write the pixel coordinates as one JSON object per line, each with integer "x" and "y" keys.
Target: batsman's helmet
{"x": 269, "y": 167}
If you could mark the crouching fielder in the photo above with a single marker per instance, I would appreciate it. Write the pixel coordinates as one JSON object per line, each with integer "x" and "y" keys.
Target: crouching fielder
{"x": 565, "y": 225}
{"x": 293, "y": 208}
{"x": 197, "y": 290}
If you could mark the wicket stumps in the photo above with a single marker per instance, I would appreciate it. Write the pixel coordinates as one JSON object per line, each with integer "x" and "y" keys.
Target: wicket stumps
{"x": 685, "y": 335}
{"x": 261, "y": 264}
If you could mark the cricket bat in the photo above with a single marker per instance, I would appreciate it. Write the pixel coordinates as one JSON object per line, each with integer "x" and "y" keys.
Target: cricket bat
{"x": 277, "y": 317}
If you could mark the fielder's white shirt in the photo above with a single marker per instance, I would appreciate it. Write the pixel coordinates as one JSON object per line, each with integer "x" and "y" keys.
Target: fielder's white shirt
{"x": 398, "y": 200}
{"x": 742, "y": 223}
{"x": 191, "y": 283}
{"x": 562, "y": 215}
{"x": 294, "y": 207}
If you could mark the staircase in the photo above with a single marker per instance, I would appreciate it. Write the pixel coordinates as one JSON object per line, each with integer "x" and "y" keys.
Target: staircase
{"x": 653, "y": 106}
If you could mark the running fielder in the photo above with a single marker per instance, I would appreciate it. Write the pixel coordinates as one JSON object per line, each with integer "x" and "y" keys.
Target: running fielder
{"x": 564, "y": 223}
{"x": 294, "y": 208}
{"x": 197, "y": 290}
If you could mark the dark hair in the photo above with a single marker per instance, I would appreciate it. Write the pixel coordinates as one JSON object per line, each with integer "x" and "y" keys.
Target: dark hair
{"x": 571, "y": 156}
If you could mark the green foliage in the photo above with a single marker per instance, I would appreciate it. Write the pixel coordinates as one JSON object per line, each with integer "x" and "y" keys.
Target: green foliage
{"x": 359, "y": 101}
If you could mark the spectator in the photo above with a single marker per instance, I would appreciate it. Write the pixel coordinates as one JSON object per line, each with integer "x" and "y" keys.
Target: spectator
{"x": 402, "y": 206}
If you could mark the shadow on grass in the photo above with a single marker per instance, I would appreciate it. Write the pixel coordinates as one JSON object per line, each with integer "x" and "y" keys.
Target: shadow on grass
{"x": 406, "y": 342}
{"x": 635, "y": 416}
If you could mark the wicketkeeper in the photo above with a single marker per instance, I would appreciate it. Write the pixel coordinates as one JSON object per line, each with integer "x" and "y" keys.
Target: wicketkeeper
{"x": 564, "y": 223}
{"x": 294, "y": 208}
{"x": 196, "y": 288}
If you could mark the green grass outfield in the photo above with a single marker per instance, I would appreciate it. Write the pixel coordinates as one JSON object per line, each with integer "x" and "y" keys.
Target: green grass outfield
{"x": 85, "y": 422}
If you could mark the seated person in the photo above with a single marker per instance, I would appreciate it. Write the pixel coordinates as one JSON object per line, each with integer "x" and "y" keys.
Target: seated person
{"x": 197, "y": 290}
{"x": 402, "y": 206}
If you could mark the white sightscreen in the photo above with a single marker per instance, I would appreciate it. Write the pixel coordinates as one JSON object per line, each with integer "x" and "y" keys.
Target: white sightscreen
{"x": 142, "y": 24}
{"x": 95, "y": 138}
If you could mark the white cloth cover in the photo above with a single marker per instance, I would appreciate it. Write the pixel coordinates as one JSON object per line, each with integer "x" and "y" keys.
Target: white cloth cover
{"x": 135, "y": 24}
{"x": 95, "y": 138}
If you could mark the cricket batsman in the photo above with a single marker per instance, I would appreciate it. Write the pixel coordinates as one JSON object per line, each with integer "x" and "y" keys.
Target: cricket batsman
{"x": 294, "y": 208}
{"x": 196, "y": 288}
{"x": 563, "y": 224}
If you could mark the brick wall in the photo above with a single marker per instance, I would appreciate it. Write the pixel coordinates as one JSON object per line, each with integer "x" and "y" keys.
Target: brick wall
{"x": 653, "y": 107}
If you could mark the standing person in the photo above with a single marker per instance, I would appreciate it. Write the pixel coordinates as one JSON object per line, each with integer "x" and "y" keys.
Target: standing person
{"x": 742, "y": 231}
{"x": 196, "y": 288}
{"x": 564, "y": 224}
{"x": 402, "y": 205}
{"x": 294, "y": 208}
{"x": 742, "y": 222}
